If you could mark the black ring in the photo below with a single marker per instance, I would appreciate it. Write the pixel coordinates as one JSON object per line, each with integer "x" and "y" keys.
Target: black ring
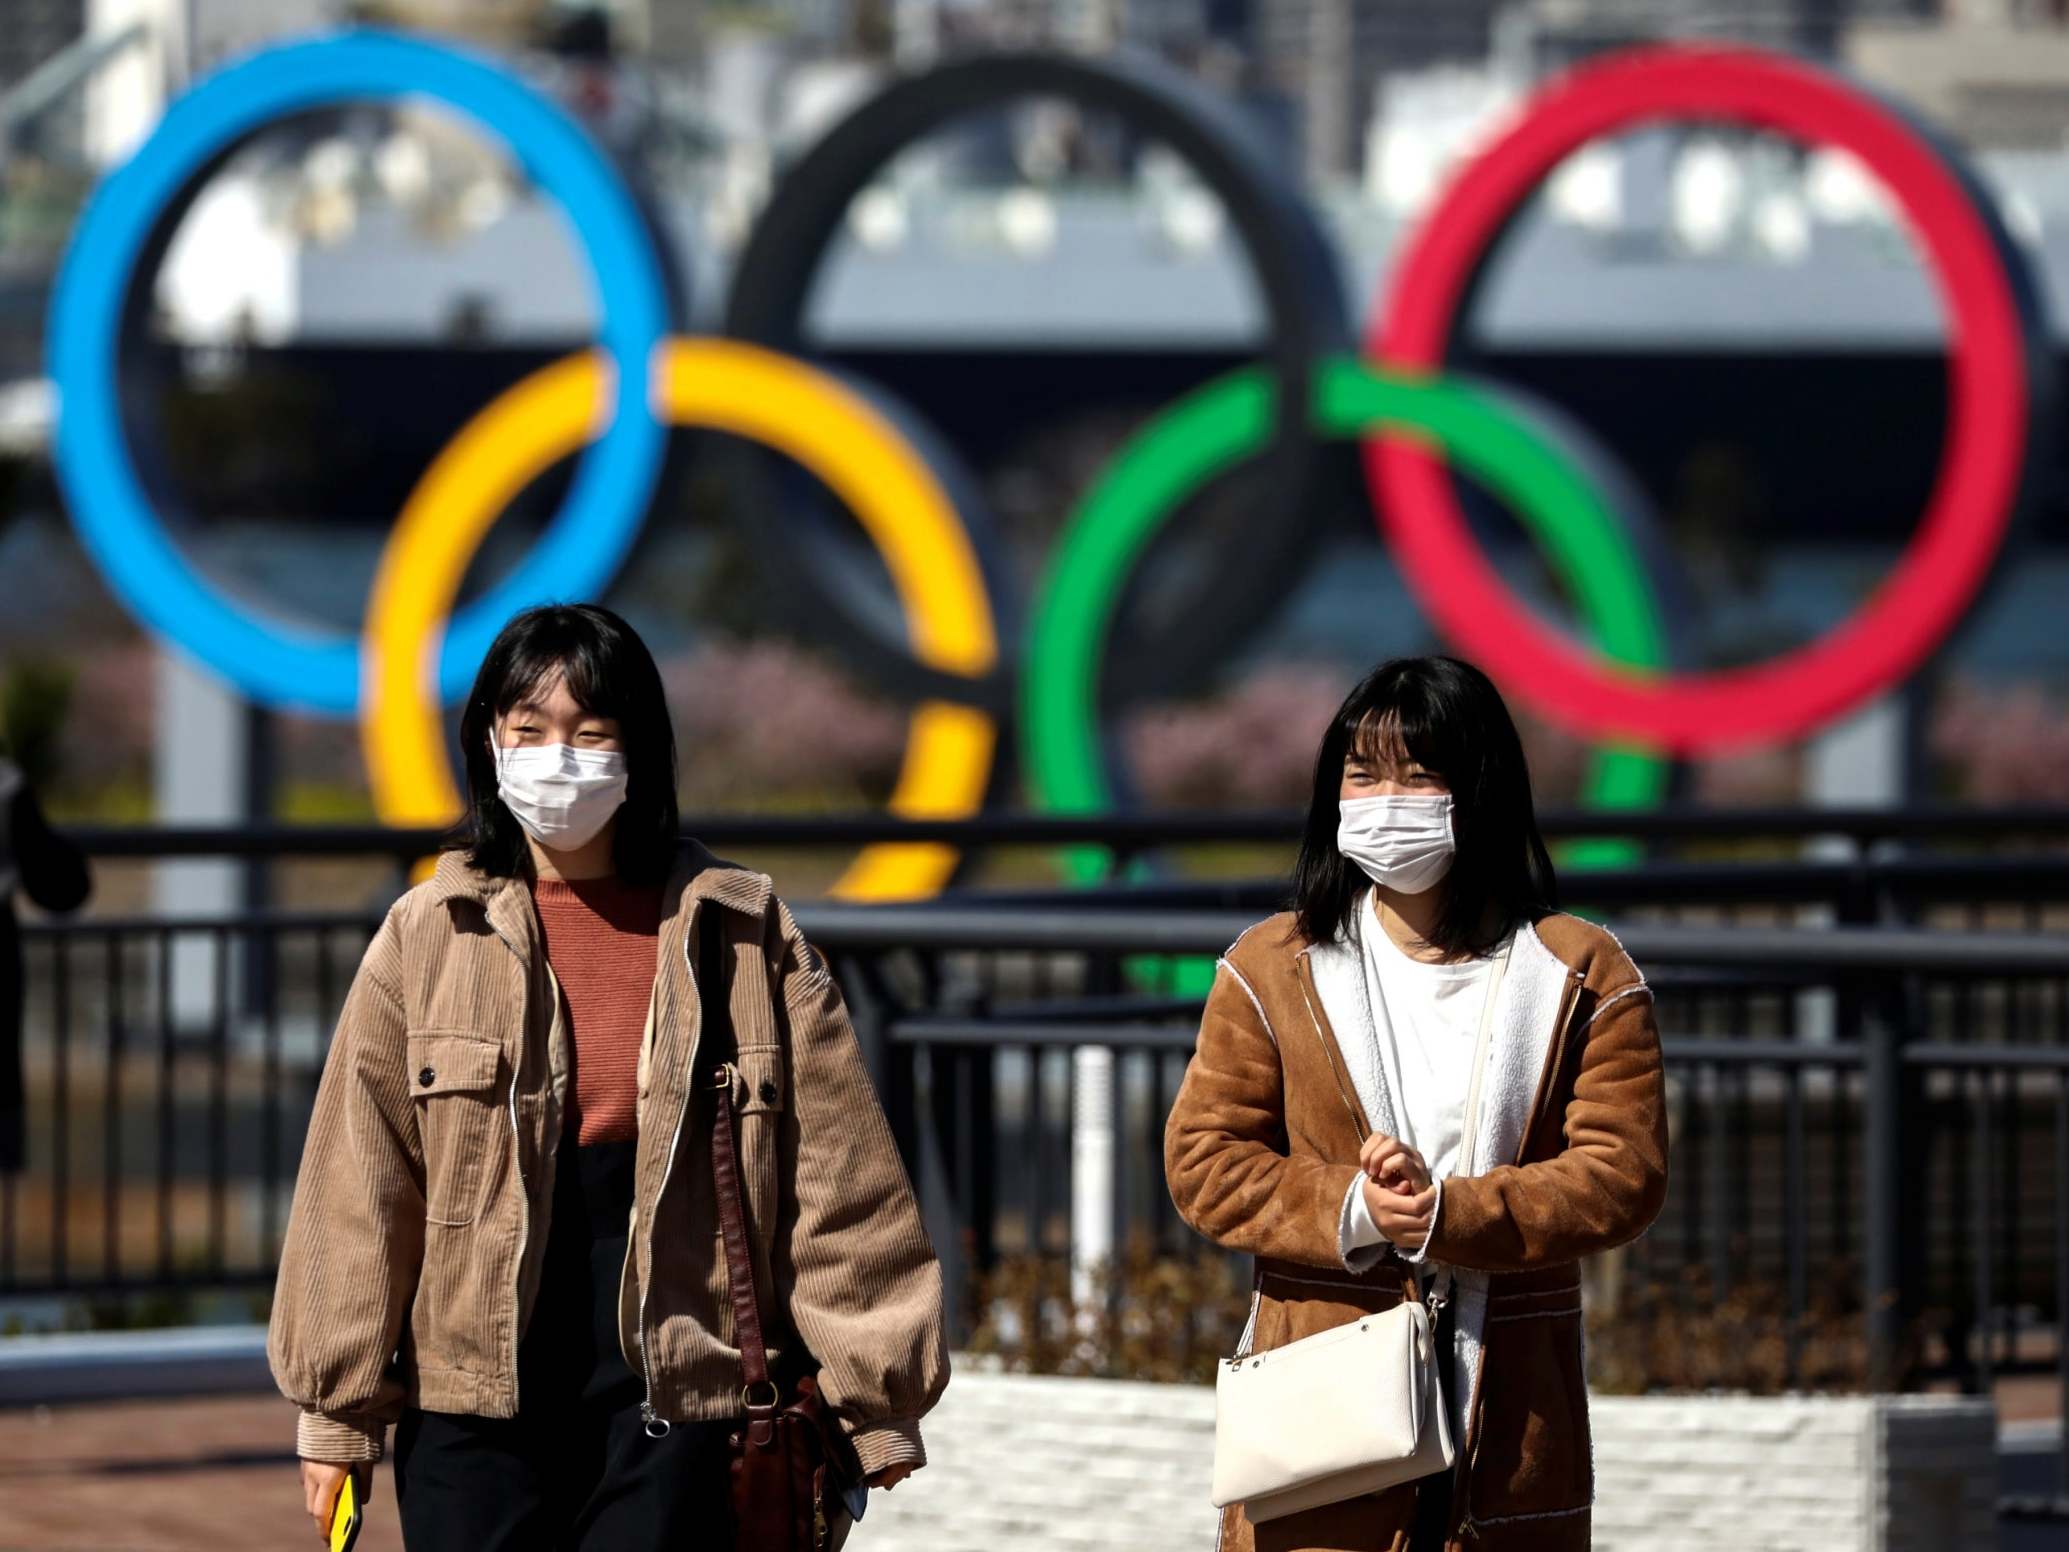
{"x": 1296, "y": 272}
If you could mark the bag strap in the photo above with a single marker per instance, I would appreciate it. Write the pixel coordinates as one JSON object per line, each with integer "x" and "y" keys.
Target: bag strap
{"x": 1469, "y": 1147}
{"x": 758, "y": 1392}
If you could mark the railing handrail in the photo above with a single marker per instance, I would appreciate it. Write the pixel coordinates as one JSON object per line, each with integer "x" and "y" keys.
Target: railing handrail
{"x": 1928, "y": 950}
{"x": 969, "y": 924}
{"x": 1958, "y": 875}
{"x": 63, "y": 73}
{"x": 1131, "y": 831}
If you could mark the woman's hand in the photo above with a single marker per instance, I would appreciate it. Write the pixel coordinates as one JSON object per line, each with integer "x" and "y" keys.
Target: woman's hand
{"x": 321, "y": 1480}
{"x": 1392, "y": 1163}
{"x": 1402, "y": 1217}
{"x": 890, "y": 1476}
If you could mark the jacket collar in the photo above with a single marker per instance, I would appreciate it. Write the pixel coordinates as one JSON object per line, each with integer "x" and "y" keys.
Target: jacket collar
{"x": 697, "y": 875}
{"x": 1530, "y": 1012}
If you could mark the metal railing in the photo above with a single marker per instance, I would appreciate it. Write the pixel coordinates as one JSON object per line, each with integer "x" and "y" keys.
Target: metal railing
{"x": 168, "y": 1094}
{"x": 1870, "y": 1124}
{"x": 2005, "y": 867}
{"x": 1869, "y": 1127}
{"x": 1131, "y": 834}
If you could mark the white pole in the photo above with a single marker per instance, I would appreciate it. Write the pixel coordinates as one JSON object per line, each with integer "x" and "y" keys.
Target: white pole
{"x": 127, "y": 94}
{"x": 1857, "y": 763}
{"x": 198, "y": 772}
{"x": 1091, "y": 1171}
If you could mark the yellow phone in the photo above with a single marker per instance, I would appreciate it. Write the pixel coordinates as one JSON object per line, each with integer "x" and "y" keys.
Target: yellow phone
{"x": 344, "y": 1515}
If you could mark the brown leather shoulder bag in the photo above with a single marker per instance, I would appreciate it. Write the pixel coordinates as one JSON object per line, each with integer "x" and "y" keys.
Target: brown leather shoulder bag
{"x": 789, "y": 1457}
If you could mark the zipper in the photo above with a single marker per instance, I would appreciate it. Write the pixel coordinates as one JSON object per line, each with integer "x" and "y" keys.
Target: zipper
{"x": 646, "y": 1043}
{"x": 643, "y": 1073}
{"x": 656, "y": 1426}
{"x": 524, "y": 1232}
{"x": 624, "y": 1271}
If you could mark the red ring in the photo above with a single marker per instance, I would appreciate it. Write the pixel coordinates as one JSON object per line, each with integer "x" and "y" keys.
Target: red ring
{"x": 1974, "y": 492}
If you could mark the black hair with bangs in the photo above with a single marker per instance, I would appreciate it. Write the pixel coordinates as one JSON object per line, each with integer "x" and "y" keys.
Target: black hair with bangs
{"x": 1448, "y": 715}
{"x": 610, "y": 673}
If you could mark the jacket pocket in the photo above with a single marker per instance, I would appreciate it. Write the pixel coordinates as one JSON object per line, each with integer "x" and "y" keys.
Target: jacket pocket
{"x": 454, "y": 1079}
{"x": 1534, "y": 1455}
{"x": 759, "y": 1088}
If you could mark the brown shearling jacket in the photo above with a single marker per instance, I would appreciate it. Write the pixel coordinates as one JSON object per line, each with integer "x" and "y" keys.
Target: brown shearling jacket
{"x": 1262, "y": 1146}
{"x": 412, "y": 1254}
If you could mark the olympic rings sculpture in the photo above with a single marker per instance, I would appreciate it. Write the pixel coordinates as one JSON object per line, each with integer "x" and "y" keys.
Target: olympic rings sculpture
{"x": 964, "y": 656}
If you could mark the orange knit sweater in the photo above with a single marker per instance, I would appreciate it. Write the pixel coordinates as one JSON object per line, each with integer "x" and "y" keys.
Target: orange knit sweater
{"x": 601, "y": 938}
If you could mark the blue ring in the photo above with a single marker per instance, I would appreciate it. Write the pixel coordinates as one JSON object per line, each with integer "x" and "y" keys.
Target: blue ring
{"x": 582, "y": 546}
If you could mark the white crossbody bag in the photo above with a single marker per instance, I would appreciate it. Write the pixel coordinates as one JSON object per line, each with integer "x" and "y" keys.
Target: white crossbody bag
{"x": 1348, "y": 1411}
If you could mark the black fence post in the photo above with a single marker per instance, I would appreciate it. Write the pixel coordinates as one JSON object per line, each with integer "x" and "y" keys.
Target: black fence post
{"x": 977, "y": 1117}
{"x": 1892, "y": 1198}
{"x": 1881, "y": 1165}
{"x": 934, "y": 1088}
{"x": 2062, "y": 1257}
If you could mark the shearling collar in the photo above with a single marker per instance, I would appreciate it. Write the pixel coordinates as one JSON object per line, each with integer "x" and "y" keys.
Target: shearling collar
{"x": 697, "y": 875}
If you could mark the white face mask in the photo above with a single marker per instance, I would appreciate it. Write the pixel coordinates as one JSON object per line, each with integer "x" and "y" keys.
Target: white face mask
{"x": 562, "y": 795}
{"x": 1404, "y": 843}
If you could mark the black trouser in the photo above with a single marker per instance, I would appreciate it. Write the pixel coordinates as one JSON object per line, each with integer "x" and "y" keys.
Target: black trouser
{"x": 575, "y": 1468}
{"x": 1433, "y": 1493}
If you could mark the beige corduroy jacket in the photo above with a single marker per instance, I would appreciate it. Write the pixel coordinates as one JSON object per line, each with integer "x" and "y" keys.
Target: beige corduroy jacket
{"x": 412, "y": 1253}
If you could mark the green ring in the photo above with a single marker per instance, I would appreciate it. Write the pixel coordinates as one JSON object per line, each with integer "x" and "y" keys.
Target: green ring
{"x": 1229, "y": 420}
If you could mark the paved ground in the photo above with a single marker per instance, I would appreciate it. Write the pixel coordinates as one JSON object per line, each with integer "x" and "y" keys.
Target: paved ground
{"x": 216, "y": 1473}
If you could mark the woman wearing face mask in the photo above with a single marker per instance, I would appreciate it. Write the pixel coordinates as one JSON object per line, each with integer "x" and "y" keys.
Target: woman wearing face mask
{"x": 506, "y": 1237}
{"x": 1331, "y": 1103}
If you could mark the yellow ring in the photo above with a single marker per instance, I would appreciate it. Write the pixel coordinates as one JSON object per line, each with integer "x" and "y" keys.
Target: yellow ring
{"x": 718, "y": 385}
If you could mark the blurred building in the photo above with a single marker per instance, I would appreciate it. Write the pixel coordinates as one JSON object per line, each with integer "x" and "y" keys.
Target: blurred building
{"x": 1330, "y": 56}
{"x": 1560, "y": 32}
{"x": 346, "y": 253}
{"x": 1982, "y": 74}
{"x": 35, "y": 30}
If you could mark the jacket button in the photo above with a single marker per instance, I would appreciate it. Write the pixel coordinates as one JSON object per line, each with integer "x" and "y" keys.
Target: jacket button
{"x": 768, "y": 1091}
{"x": 427, "y": 1077}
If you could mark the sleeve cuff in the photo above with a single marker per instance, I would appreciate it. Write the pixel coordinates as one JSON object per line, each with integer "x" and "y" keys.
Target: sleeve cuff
{"x": 339, "y": 1438}
{"x": 1359, "y": 1243}
{"x": 895, "y": 1442}
{"x": 1436, "y": 1208}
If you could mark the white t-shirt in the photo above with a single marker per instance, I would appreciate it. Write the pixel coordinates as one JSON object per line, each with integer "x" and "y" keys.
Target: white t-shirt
{"x": 1426, "y": 1018}
{"x": 1425, "y": 1023}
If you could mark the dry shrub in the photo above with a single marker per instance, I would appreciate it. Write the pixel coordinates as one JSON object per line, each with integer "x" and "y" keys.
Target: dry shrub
{"x": 1172, "y": 1318}
{"x": 1250, "y": 746}
{"x": 1675, "y": 1336}
{"x": 1169, "y": 1319}
{"x": 2002, "y": 743}
{"x": 768, "y": 724}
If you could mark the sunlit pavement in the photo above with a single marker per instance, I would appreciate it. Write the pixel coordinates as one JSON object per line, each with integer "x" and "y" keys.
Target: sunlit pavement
{"x": 140, "y": 1476}
{"x": 219, "y": 1473}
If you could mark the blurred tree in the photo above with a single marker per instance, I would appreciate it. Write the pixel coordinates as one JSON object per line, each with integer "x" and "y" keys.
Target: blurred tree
{"x": 34, "y": 697}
